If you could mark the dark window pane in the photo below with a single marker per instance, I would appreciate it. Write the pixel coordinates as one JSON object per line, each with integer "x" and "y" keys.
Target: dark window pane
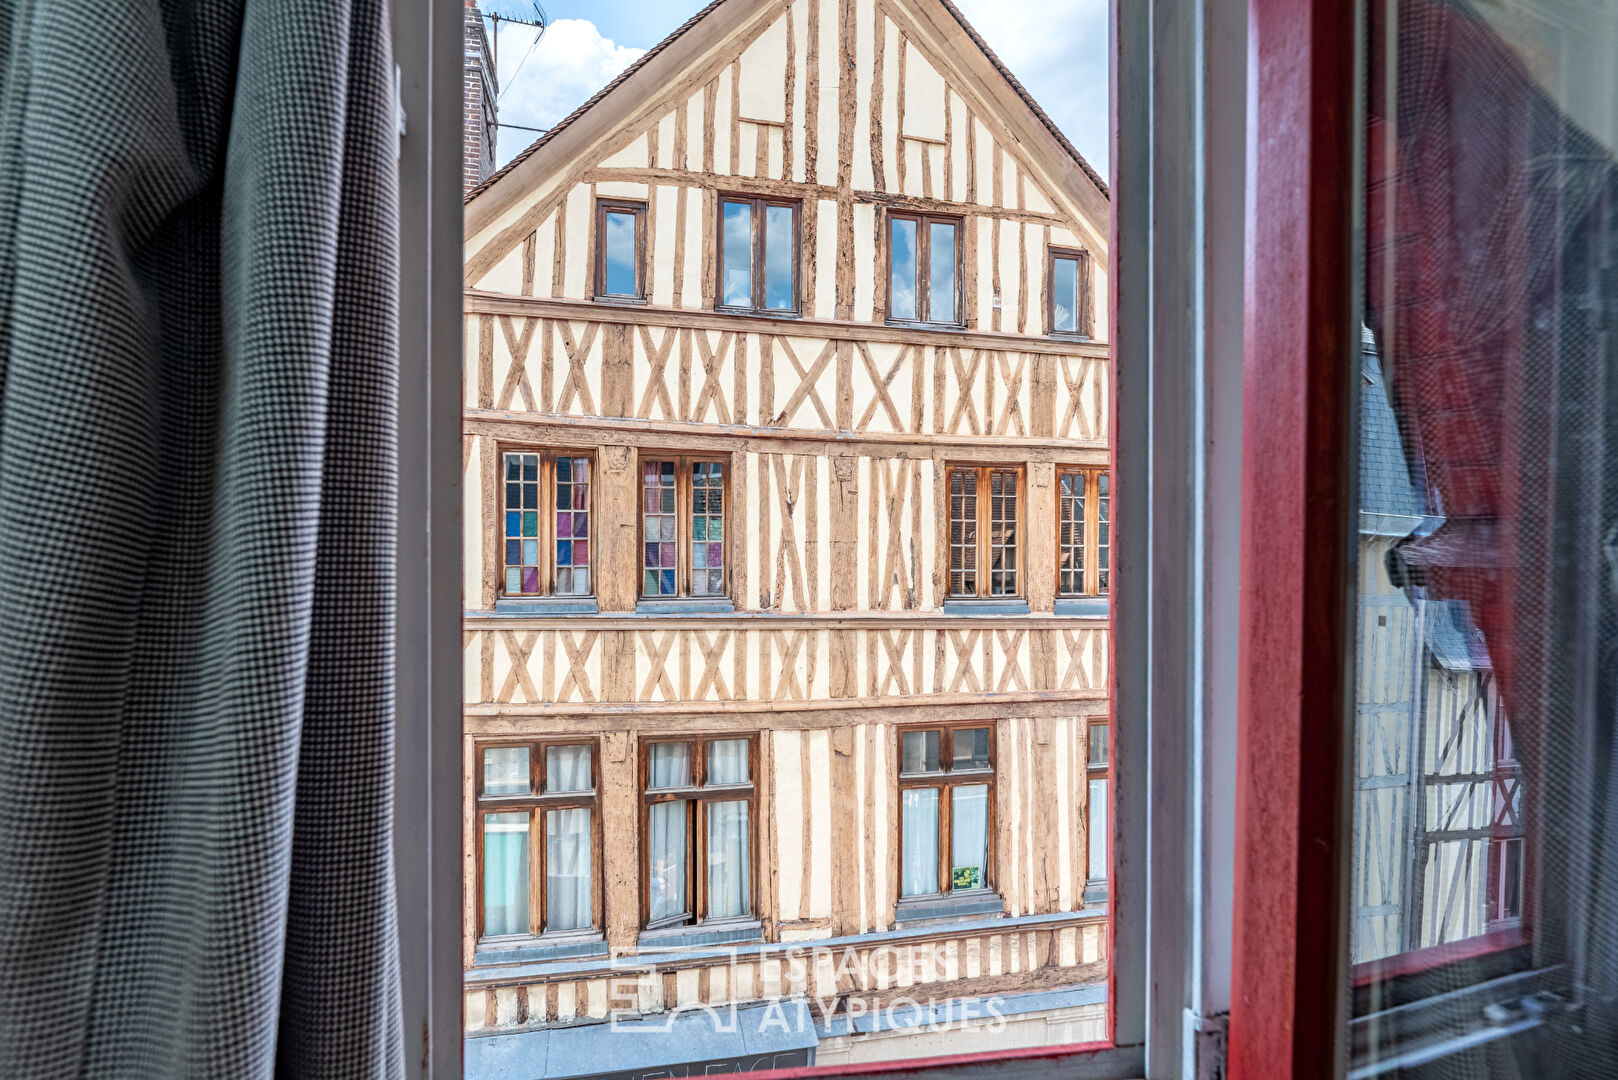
{"x": 1098, "y": 746}
{"x": 919, "y": 752}
{"x": 941, "y": 272}
{"x": 620, "y": 261}
{"x": 902, "y": 281}
{"x": 1065, "y": 296}
{"x": 780, "y": 258}
{"x": 970, "y": 749}
{"x": 738, "y": 254}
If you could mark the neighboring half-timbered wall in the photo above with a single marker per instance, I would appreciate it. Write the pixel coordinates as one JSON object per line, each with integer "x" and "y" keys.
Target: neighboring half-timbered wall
{"x": 836, "y": 428}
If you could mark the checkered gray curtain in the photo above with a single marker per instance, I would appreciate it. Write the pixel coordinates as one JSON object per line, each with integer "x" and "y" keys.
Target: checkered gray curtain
{"x": 197, "y": 386}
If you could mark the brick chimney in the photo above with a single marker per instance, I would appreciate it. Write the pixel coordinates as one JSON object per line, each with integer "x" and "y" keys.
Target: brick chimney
{"x": 479, "y": 87}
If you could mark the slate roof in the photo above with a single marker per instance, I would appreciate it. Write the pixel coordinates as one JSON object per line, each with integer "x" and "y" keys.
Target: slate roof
{"x": 1385, "y": 486}
{"x": 680, "y": 31}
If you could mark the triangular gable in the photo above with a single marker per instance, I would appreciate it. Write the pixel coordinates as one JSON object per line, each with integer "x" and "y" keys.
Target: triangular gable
{"x": 930, "y": 114}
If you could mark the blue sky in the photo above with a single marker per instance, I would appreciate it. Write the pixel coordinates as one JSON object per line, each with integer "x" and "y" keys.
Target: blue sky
{"x": 1058, "y": 49}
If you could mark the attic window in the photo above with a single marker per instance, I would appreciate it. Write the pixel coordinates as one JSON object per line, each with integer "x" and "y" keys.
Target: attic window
{"x": 620, "y": 250}
{"x": 758, "y": 255}
{"x": 1069, "y": 314}
{"x": 923, "y": 269}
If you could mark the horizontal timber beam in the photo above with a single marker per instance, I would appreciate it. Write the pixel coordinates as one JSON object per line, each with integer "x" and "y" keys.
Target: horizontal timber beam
{"x": 684, "y": 435}
{"x": 578, "y": 718}
{"x": 478, "y": 302}
{"x": 766, "y": 621}
{"x": 747, "y": 185}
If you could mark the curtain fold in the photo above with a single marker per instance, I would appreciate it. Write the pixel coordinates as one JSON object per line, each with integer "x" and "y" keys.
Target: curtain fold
{"x": 198, "y": 274}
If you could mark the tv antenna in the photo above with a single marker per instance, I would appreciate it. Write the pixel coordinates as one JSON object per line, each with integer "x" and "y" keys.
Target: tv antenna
{"x": 531, "y": 15}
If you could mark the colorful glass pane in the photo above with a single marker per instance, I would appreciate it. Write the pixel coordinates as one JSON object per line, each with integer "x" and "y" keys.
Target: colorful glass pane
{"x": 707, "y": 526}
{"x": 572, "y": 522}
{"x": 522, "y": 522}
{"x": 658, "y": 559}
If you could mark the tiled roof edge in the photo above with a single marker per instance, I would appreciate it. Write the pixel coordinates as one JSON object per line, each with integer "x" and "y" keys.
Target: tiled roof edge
{"x": 568, "y": 120}
{"x": 681, "y": 30}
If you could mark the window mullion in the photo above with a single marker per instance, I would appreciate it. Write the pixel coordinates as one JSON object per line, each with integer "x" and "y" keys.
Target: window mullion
{"x": 547, "y": 522}
{"x": 985, "y": 546}
{"x": 699, "y": 844}
{"x": 944, "y": 825}
{"x": 923, "y": 262}
{"x": 536, "y": 871}
{"x": 757, "y": 214}
{"x": 682, "y": 525}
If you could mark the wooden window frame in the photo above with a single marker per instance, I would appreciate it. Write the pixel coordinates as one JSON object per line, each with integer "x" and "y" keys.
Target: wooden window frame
{"x": 682, "y": 514}
{"x": 697, "y": 795}
{"x": 1092, "y": 528}
{"x": 923, "y": 267}
{"x": 758, "y": 204}
{"x": 638, "y": 208}
{"x": 984, "y": 472}
{"x": 1084, "y": 315}
{"x": 536, "y": 802}
{"x": 943, "y": 780}
{"x": 547, "y": 521}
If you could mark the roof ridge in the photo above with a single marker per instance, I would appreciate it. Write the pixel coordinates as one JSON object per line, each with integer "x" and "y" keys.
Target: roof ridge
{"x": 679, "y": 31}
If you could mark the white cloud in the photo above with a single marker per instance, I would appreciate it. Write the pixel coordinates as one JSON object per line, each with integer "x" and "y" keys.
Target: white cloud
{"x": 1058, "y": 50}
{"x": 541, "y": 84}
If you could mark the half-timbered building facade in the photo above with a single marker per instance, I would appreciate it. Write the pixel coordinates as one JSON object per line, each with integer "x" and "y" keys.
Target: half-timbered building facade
{"x": 786, "y": 651}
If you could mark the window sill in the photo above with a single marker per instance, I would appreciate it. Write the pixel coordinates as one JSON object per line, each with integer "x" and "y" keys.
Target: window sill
{"x": 1095, "y": 892}
{"x": 926, "y": 910}
{"x": 917, "y": 324}
{"x": 712, "y": 932}
{"x": 567, "y": 945}
{"x": 758, "y": 313}
{"x": 1083, "y": 605}
{"x": 546, "y": 605}
{"x": 622, "y": 301}
{"x": 986, "y": 607}
{"x": 716, "y": 605}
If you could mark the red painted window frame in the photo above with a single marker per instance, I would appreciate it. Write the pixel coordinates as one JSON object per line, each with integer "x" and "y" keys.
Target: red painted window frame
{"x": 1289, "y": 980}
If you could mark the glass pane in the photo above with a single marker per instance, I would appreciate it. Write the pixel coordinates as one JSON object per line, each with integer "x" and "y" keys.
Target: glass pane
{"x": 521, "y": 553}
{"x": 729, "y": 891}
{"x": 919, "y": 752}
{"x": 970, "y": 748}
{"x": 1484, "y": 595}
{"x": 969, "y": 836}
{"x": 567, "y": 869}
{"x": 902, "y": 280}
{"x": 658, "y": 560}
{"x": 505, "y": 873}
{"x": 670, "y": 765}
{"x": 573, "y": 526}
{"x": 919, "y": 841}
{"x": 738, "y": 254}
{"x": 1103, "y": 530}
{"x": 1098, "y": 745}
{"x": 667, "y": 860}
{"x": 1097, "y": 838}
{"x": 940, "y": 273}
{"x": 727, "y": 761}
{"x": 1065, "y": 296}
{"x": 707, "y": 527}
{"x": 505, "y": 770}
{"x": 620, "y": 255}
{"x": 780, "y": 258}
{"x": 1071, "y": 530}
{"x": 567, "y": 768}
{"x": 1003, "y": 532}
{"x": 963, "y": 537}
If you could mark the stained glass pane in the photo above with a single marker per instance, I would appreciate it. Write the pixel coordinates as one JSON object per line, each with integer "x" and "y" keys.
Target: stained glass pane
{"x": 707, "y": 526}
{"x": 521, "y": 523}
{"x": 572, "y": 524}
{"x": 658, "y": 554}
